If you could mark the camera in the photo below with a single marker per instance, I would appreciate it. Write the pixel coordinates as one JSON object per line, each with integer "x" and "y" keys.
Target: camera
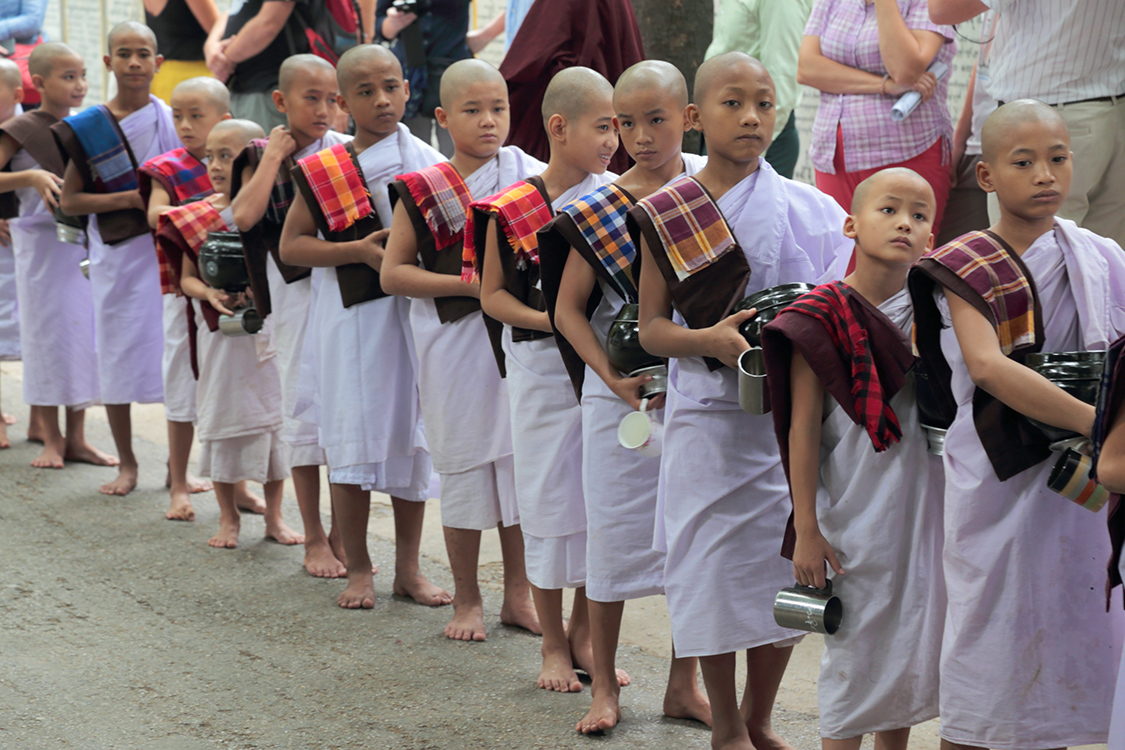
{"x": 413, "y": 45}
{"x": 417, "y": 7}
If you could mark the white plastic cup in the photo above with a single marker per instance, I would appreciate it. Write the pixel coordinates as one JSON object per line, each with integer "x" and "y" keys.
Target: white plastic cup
{"x": 639, "y": 432}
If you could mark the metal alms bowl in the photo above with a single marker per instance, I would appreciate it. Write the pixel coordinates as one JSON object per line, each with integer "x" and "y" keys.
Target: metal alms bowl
{"x": 623, "y": 343}
{"x": 222, "y": 264}
{"x": 1077, "y": 373}
{"x": 769, "y": 303}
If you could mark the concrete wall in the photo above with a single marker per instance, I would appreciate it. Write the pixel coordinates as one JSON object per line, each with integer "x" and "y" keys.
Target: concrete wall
{"x": 88, "y": 20}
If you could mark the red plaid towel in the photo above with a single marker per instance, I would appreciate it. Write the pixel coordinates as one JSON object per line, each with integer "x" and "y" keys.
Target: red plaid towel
{"x": 192, "y": 223}
{"x": 443, "y": 200}
{"x": 338, "y": 186}
{"x": 185, "y": 179}
{"x": 520, "y": 213}
{"x": 829, "y": 305}
{"x": 692, "y": 227}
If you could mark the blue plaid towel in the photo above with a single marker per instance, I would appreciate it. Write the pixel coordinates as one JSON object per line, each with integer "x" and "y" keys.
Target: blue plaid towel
{"x": 96, "y": 130}
{"x": 600, "y": 217}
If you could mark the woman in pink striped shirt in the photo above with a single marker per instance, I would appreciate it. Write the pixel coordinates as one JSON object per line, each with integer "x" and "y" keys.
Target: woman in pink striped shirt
{"x": 863, "y": 55}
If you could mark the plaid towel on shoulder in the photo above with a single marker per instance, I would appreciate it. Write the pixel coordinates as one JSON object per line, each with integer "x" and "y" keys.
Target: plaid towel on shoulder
{"x": 183, "y": 172}
{"x": 520, "y": 213}
{"x": 283, "y": 190}
{"x": 984, "y": 263}
{"x": 95, "y": 128}
{"x": 692, "y": 227}
{"x": 443, "y": 200}
{"x": 600, "y": 217}
{"x": 829, "y": 305}
{"x": 338, "y": 186}
{"x": 191, "y": 223}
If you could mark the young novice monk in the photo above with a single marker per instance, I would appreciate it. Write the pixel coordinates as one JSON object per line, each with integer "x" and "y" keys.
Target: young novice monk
{"x": 239, "y": 400}
{"x": 589, "y": 236}
{"x": 263, "y": 190}
{"x": 1020, "y": 670}
{"x": 366, "y": 388}
{"x": 177, "y": 178}
{"x": 106, "y": 144}
{"x": 465, "y": 408}
{"x": 546, "y": 418}
{"x": 721, "y": 478}
{"x": 866, "y": 496}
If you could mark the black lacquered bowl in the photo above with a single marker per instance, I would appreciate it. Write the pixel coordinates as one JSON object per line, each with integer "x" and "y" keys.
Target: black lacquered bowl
{"x": 222, "y": 264}
{"x": 769, "y": 302}
{"x": 623, "y": 343}
{"x": 1077, "y": 373}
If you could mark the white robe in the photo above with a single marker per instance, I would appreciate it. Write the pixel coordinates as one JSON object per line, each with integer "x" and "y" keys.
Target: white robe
{"x": 9, "y": 309}
{"x": 290, "y": 314}
{"x": 60, "y": 366}
{"x": 1029, "y": 652}
{"x": 465, "y": 406}
{"x": 547, "y": 438}
{"x": 239, "y": 405}
{"x": 364, "y": 363}
{"x": 620, "y": 485}
{"x": 128, "y": 311}
{"x": 1117, "y": 724}
{"x": 724, "y": 491}
{"x": 882, "y": 514}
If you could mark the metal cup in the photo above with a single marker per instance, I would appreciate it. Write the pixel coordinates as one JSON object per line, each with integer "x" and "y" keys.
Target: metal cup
{"x": 84, "y": 267}
{"x": 69, "y": 234}
{"x": 752, "y": 381}
{"x": 935, "y": 439}
{"x": 659, "y": 382}
{"x": 1070, "y": 477}
{"x": 244, "y": 322}
{"x": 809, "y": 608}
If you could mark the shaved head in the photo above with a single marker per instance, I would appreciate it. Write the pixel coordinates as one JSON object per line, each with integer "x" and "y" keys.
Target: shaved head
{"x": 1000, "y": 124}
{"x": 43, "y": 58}
{"x": 10, "y": 74}
{"x": 571, "y": 91}
{"x": 365, "y": 54}
{"x": 208, "y": 88}
{"x": 295, "y": 65}
{"x": 725, "y": 69}
{"x": 883, "y": 179}
{"x": 244, "y": 130}
{"x": 131, "y": 27}
{"x": 653, "y": 75}
{"x": 464, "y": 73}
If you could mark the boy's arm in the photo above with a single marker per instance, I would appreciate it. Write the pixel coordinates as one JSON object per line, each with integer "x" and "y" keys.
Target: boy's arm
{"x": 47, "y": 184}
{"x": 257, "y": 183}
{"x": 1018, "y": 387}
{"x": 496, "y": 301}
{"x": 76, "y": 202}
{"x": 158, "y": 202}
{"x": 403, "y": 276}
{"x": 196, "y": 288}
{"x": 578, "y": 281}
{"x": 812, "y": 548}
{"x": 1111, "y": 461}
{"x": 301, "y": 247}
{"x": 664, "y": 338}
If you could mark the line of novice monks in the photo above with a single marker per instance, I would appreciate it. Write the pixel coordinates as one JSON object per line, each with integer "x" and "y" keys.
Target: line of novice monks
{"x": 473, "y": 296}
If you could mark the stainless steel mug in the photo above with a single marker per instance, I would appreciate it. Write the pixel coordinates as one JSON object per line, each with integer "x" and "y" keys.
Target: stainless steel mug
{"x": 1070, "y": 477}
{"x": 244, "y": 322}
{"x": 808, "y": 608}
{"x": 84, "y": 267}
{"x": 659, "y": 382}
{"x": 935, "y": 439}
{"x": 752, "y": 381}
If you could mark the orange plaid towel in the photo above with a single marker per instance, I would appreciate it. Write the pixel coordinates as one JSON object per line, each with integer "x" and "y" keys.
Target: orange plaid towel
{"x": 520, "y": 213}
{"x": 692, "y": 228}
{"x": 192, "y": 223}
{"x": 338, "y": 186}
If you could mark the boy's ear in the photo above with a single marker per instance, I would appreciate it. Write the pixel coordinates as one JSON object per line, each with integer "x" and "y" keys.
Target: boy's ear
{"x": 342, "y": 103}
{"x": 850, "y": 230}
{"x": 17, "y": 94}
{"x": 984, "y": 177}
{"x": 930, "y": 242}
{"x": 106, "y": 60}
{"x": 441, "y": 117}
{"x": 691, "y": 116}
{"x": 227, "y": 116}
{"x": 159, "y": 62}
{"x": 684, "y": 117}
{"x": 37, "y": 82}
{"x": 406, "y": 88}
{"x": 556, "y": 127}
{"x": 278, "y": 100}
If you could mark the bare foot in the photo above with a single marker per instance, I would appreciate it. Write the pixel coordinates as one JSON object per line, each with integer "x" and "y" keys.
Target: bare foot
{"x": 558, "y": 672}
{"x": 181, "y": 509}
{"x": 34, "y": 432}
{"x": 582, "y": 656}
{"x": 467, "y": 623}
{"x": 50, "y": 458}
{"x": 8, "y": 419}
{"x": 194, "y": 484}
{"x": 338, "y": 550}
{"x": 4, "y": 442}
{"x": 360, "y": 593}
{"x": 419, "y": 588}
{"x": 521, "y": 614}
{"x": 692, "y": 706}
{"x": 125, "y": 483}
{"x": 227, "y": 538}
{"x": 248, "y": 502}
{"x": 767, "y": 739}
{"x": 282, "y": 534}
{"x": 321, "y": 563}
{"x": 88, "y": 454}
{"x": 604, "y": 713}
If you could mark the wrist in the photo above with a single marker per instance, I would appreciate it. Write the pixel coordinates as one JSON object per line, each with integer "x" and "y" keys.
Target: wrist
{"x": 883, "y": 84}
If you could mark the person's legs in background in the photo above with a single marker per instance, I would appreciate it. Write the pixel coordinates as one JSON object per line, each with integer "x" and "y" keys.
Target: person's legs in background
{"x": 786, "y": 147}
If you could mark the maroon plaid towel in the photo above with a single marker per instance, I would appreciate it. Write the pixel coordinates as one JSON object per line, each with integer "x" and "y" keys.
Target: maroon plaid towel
{"x": 829, "y": 305}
